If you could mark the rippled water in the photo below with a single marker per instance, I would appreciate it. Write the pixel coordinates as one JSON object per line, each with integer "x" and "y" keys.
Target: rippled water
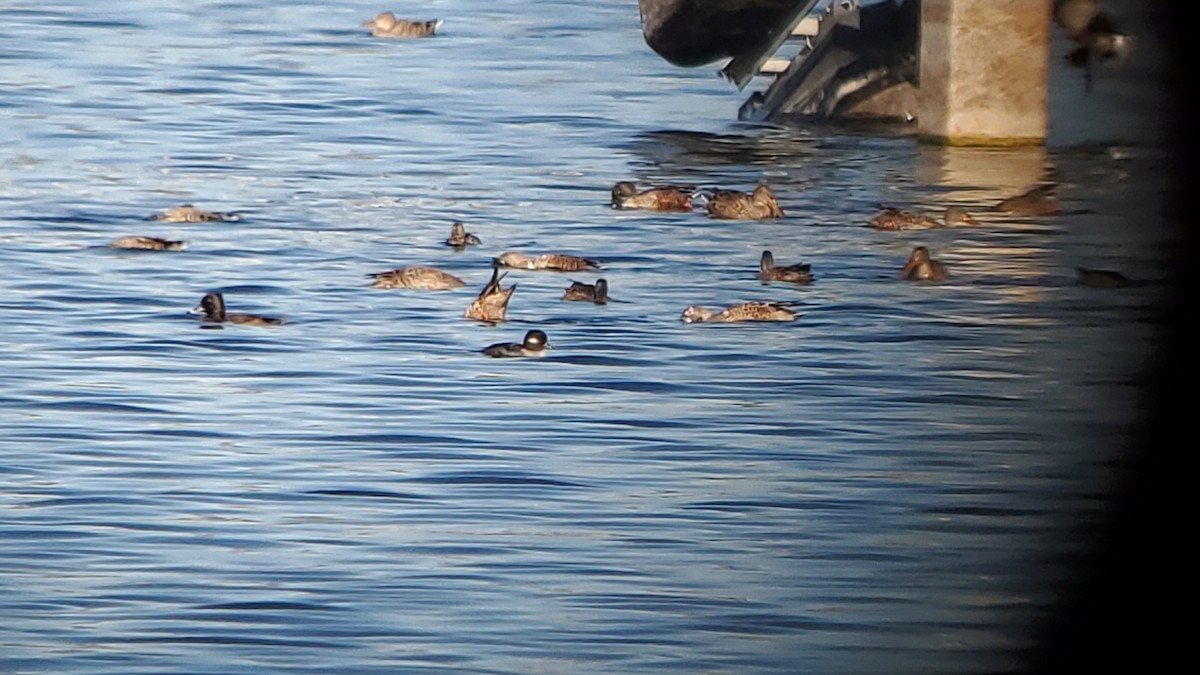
{"x": 896, "y": 482}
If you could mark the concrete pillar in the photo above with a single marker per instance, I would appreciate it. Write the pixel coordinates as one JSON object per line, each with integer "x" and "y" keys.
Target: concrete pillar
{"x": 983, "y": 72}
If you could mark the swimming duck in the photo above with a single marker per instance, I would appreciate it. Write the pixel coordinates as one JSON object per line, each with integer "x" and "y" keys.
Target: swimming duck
{"x": 892, "y": 218}
{"x": 534, "y": 344}
{"x": 1036, "y": 201}
{"x": 492, "y": 302}
{"x": 545, "y": 261}
{"x": 597, "y": 293}
{"x": 147, "y": 243}
{"x": 186, "y": 213}
{"x": 734, "y": 205}
{"x": 459, "y": 237}
{"x": 625, "y": 195}
{"x": 800, "y": 273}
{"x": 418, "y": 277}
{"x": 212, "y": 306}
{"x": 922, "y": 267}
{"x": 745, "y": 311}
{"x": 385, "y": 24}
{"x": 1104, "y": 278}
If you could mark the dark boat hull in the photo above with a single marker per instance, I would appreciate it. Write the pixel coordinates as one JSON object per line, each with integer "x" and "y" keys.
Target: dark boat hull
{"x": 695, "y": 32}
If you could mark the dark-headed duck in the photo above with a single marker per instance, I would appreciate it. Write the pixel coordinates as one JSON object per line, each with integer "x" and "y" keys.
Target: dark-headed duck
{"x": 800, "y": 273}
{"x": 534, "y": 344}
{"x": 625, "y": 195}
{"x": 734, "y": 205}
{"x": 459, "y": 237}
{"x": 417, "y": 277}
{"x": 492, "y": 302}
{"x": 545, "y": 261}
{"x": 922, "y": 267}
{"x": 385, "y": 24}
{"x": 891, "y": 218}
{"x": 147, "y": 243}
{"x": 597, "y": 293}
{"x": 744, "y": 311}
{"x": 212, "y": 307}
{"x": 186, "y": 213}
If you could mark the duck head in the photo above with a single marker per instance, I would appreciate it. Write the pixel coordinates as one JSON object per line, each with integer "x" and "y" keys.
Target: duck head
{"x": 536, "y": 341}
{"x": 212, "y": 307}
{"x": 695, "y": 314}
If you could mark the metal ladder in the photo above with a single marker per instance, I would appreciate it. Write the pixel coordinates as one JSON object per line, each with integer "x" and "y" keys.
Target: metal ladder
{"x": 790, "y": 76}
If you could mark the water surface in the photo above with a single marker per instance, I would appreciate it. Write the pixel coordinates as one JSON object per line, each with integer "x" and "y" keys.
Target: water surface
{"x": 895, "y": 482}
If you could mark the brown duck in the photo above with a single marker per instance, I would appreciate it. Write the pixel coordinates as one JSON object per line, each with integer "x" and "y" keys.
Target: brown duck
{"x": 625, "y": 195}
{"x": 459, "y": 237}
{"x": 734, "y": 205}
{"x": 386, "y": 25}
{"x": 1037, "y": 201}
{"x": 597, "y": 293}
{"x": 745, "y": 311}
{"x": 545, "y": 261}
{"x": 891, "y": 218}
{"x": 186, "y": 213}
{"x": 492, "y": 302}
{"x": 922, "y": 267}
{"x": 147, "y": 243}
{"x": 416, "y": 277}
{"x": 800, "y": 273}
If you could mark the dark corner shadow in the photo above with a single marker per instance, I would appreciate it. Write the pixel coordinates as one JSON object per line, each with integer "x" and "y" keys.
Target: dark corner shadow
{"x": 1116, "y": 612}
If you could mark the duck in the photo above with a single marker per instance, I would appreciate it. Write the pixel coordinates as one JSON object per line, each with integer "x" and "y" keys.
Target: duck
{"x": 800, "y": 273}
{"x": 755, "y": 310}
{"x": 418, "y": 277}
{"x": 186, "y": 213}
{"x": 892, "y": 218}
{"x": 597, "y": 293}
{"x": 1036, "y": 201}
{"x": 535, "y": 344}
{"x": 459, "y": 237}
{"x": 1104, "y": 278}
{"x": 545, "y": 261}
{"x": 734, "y": 205}
{"x": 147, "y": 243}
{"x": 1095, "y": 34}
{"x": 492, "y": 302}
{"x": 212, "y": 307}
{"x": 385, "y": 24}
{"x": 1073, "y": 16}
{"x": 922, "y": 267}
{"x": 625, "y": 195}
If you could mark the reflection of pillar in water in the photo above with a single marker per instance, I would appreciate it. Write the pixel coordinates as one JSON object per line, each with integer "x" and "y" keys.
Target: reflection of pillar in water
{"x": 983, "y": 175}
{"x": 979, "y": 178}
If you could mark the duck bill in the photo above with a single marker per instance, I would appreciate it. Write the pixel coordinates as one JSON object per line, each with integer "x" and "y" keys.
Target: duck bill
{"x": 909, "y": 267}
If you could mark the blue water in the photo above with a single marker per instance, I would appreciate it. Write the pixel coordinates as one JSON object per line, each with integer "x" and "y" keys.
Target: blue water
{"x": 895, "y": 482}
